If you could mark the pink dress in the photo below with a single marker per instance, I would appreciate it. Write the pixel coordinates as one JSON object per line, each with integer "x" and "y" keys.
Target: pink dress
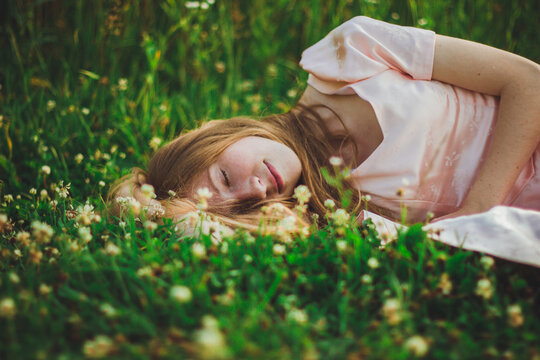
{"x": 436, "y": 135}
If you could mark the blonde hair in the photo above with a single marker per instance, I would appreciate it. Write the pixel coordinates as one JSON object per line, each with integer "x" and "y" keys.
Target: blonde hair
{"x": 175, "y": 165}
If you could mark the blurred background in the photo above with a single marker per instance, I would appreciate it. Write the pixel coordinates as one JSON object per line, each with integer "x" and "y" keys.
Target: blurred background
{"x": 80, "y": 76}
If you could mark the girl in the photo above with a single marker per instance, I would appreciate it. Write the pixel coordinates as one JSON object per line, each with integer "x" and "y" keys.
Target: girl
{"x": 438, "y": 124}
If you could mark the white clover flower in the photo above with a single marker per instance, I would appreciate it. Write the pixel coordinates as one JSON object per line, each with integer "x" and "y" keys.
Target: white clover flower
{"x": 122, "y": 84}
{"x": 210, "y": 341}
{"x": 329, "y": 204}
{"x": 112, "y": 250}
{"x": 445, "y": 284}
{"x": 204, "y": 193}
{"x": 279, "y": 249}
{"x": 247, "y": 258}
{"x": 204, "y": 6}
{"x": 99, "y": 347}
{"x": 148, "y": 191}
{"x": 79, "y": 158}
{"x": 51, "y": 104}
{"x": 336, "y": 161}
{"x": 129, "y": 203}
{"x": 417, "y": 345}
{"x": 171, "y": 193}
{"x": 45, "y": 289}
{"x": 43, "y": 194}
{"x": 198, "y": 250}
{"x": 366, "y": 198}
{"x": 46, "y": 169}
{"x": 42, "y": 232}
{"x": 181, "y": 294}
{"x": 85, "y": 111}
{"x": 341, "y": 245}
{"x": 373, "y": 263}
{"x": 101, "y": 183}
{"x": 8, "y": 198}
{"x": 122, "y": 224}
{"x": 341, "y": 217}
{"x": 487, "y": 262}
{"x": 108, "y": 310}
{"x": 484, "y": 289}
{"x": 392, "y": 311}
{"x": 14, "y": 278}
{"x": 33, "y": 191}
{"x": 150, "y": 225}
{"x": 366, "y": 279}
{"x": 84, "y": 234}
{"x": 211, "y": 2}
{"x": 155, "y": 142}
{"x": 515, "y": 316}
{"x": 298, "y": 316}
{"x": 7, "y": 308}
{"x": 422, "y": 21}
{"x": 302, "y": 194}
{"x": 192, "y": 4}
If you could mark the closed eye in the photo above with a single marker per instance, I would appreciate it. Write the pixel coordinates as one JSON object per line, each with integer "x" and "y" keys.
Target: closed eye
{"x": 226, "y": 178}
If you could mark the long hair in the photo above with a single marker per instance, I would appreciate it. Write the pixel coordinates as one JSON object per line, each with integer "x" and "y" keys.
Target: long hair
{"x": 175, "y": 165}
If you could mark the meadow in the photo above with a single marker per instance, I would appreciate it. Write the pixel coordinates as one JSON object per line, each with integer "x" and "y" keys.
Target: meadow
{"x": 90, "y": 88}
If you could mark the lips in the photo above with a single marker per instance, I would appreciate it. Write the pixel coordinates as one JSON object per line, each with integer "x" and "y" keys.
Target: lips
{"x": 276, "y": 177}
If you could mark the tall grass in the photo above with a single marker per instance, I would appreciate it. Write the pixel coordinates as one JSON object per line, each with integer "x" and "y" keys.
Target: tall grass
{"x": 90, "y": 88}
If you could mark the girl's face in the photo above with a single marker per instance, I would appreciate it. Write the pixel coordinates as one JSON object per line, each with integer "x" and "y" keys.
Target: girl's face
{"x": 253, "y": 168}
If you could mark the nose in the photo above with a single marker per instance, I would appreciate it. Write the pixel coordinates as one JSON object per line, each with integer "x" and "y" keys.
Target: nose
{"x": 254, "y": 189}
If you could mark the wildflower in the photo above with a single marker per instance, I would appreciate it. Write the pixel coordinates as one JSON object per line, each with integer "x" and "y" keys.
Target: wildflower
{"x": 53, "y": 204}
{"x": 192, "y": 4}
{"x": 298, "y": 316}
{"x": 7, "y": 308}
{"x": 130, "y": 204}
{"x": 366, "y": 198}
{"x": 373, "y": 263}
{"x": 484, "y": 289}
{"x": 112, "y": 250}
{"x": 198, "y": 250}
{"x": 210, "y": 340}
{"x": 417, "y": 345}
{"x": 422, "y": 21}
{"x": 99, "y": 347}
{"x": 445, "y": 284}
{"x": 171, "y": 193}
{"x": 247, "y": 258}
{"x": 204, "y": 6}
{"x": 302, "y": 194}
{"x": 487, "y": 262}
{"x": 155, "y": 142}
{"x": 33, "y": 191}
{"x": 14, "y": 278}
{"x": 211, "y": 2}
{"x": 122, "y": 84}
{"x": 85, "y": 235}
{"x": 63, "y": 191}
{"x": 101, "y": 183}
{"x": 341, "y": 245}
{"x": 45, "y": 289}
{"x": 341, "y": 217}
{"x": 329, "y": 204}
{"x": 17, "y": 253}
{"x": 181, "y": 294}
{"x": 366, "y": 279}
{"x": 203, "y": 194}
{"x": 278, "y": 249}
{"x": 43, "y": 194}
{"x": 46, "y": 170}
{"x": 395, "y": 16}
{"x": 85, "y": 111}
{"x": 5, "y": 223}
{"x": 515, "y": 316}
{"x": 85, "y": 214}
{"x": 35, "y": 256}
{"x": 51, "y": 104}
{"x": 108, "y": 310}
{"x": 392, "y": 311}
{"x": 336, "y": 161}
{"x": 122, "y": 224}
{"x": 42, "y": 232}
{"x": 150, "y": 225}
{"x": 145, "y": 271}
{"x": 148, "y": 191}
{"x": 8, "y": 198}
{"x": 79, "y": 158}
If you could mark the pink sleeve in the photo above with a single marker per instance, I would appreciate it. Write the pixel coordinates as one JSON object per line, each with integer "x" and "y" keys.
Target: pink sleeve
{"x": 363, "y": 47}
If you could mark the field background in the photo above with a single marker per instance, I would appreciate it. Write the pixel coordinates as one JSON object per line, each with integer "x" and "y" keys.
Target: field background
{"x": 89, "y": 88}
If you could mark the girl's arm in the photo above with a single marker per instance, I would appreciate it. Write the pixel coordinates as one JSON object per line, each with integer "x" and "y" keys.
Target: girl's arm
{"x": 516, "y": 135}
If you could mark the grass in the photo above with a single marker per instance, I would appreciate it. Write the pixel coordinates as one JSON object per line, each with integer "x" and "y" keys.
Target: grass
{"x": 89, "y": 88}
